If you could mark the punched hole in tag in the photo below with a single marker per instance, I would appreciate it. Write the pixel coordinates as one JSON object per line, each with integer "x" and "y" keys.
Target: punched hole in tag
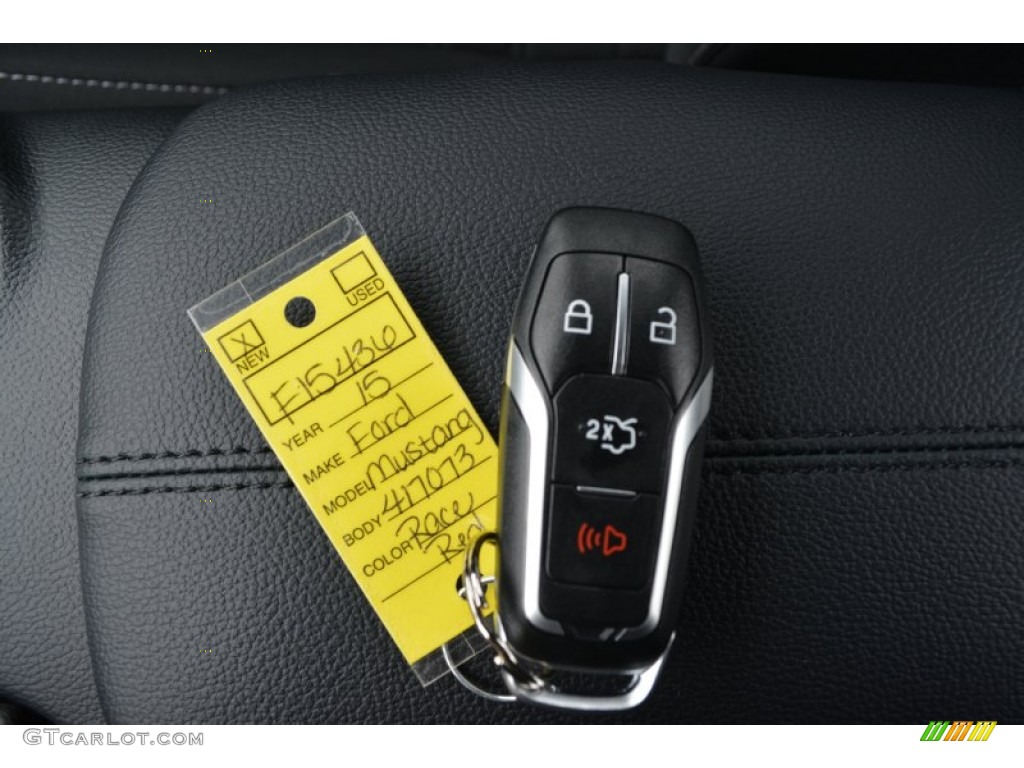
{"x": 300, "y": 312}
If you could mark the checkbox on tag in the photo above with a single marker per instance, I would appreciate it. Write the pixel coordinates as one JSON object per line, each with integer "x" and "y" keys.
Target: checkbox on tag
{"x": 353, "y": 272}
{"x": 241, "y": 340}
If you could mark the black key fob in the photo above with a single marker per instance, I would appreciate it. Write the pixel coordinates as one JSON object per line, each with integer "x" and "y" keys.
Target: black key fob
{"x": 607, "y": 389}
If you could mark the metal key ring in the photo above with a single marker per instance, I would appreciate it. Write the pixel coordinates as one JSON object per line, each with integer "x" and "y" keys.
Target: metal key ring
{"x": 465, "y": 682}
{"x": 460, "y": 677}
{"x": 474, "y": 584}
{"x": 522, "y": 683}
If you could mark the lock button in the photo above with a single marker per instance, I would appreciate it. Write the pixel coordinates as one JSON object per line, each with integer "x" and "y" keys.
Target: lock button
{"x": 664, "y": 334}
{"x": 578, "y": 318}
{"x": 574, "y": 324}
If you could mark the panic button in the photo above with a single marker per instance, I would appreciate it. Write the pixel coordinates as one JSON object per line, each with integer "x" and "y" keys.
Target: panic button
{"x": 607, "y": 542}
{"x": 601, "y": 540}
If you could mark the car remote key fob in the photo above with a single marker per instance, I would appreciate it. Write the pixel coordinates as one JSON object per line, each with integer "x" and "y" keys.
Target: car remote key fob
{"x": 607, "y": 388}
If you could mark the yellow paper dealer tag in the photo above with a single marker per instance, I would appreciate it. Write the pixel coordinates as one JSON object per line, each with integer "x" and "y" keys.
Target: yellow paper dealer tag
{"x": 371, "y": 425}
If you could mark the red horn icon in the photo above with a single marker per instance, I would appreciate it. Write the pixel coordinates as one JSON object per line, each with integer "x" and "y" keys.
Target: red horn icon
{"x": 610, "y": 540}
{"x": 614, "y": 541}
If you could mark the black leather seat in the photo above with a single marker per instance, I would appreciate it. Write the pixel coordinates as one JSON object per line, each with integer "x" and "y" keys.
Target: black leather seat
{"x": 88, "y": 76}
{"x": 858, "y": 550}
{"x": 62, "y": 179}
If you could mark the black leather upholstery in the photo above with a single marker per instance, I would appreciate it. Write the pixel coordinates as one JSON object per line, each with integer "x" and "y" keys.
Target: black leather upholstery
{"x": 859, "y": 544}
{"x": 40, "y": 76}
{"x": 37, "y": 76}
{"x": 62, "y": 179}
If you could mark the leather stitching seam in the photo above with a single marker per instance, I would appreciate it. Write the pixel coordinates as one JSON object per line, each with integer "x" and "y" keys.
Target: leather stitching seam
{"x": 852, "y": 451}
{"x": 894, "y": 432}
{"x": 1001, "y": 464}
{"x": 114, "y": 85}
{"x": 192, "y": 453}
{"x": 183, "y": 489}
{"x": 866, "y": 468}
{"x": 106, "y": 477}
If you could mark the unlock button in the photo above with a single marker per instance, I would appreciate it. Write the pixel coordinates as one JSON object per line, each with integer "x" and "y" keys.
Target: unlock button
{"x": 664, "y": 335}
